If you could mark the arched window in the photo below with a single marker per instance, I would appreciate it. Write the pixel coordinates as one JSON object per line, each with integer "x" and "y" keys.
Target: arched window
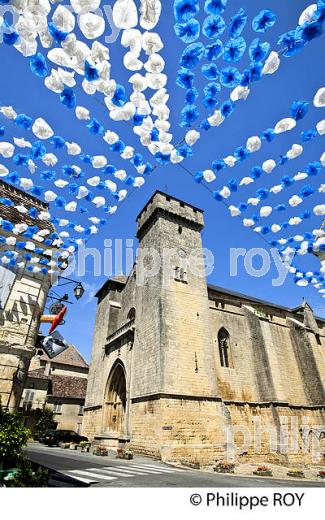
{"x": 224, "y": 348}
{"x": 131, "y": 314}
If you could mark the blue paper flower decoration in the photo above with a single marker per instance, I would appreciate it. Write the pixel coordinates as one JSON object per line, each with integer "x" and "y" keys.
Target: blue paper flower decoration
{"x": 313, "y": 168}
{"x": 241, "y": 153}
{"x": 10, "y": 38}
{"x": 213, "y": 51}
{"x": 23, "y": 121}
{"x": 91, "y": 73}
{"x": 299, "y": 109}
{"x": 119, "y": 98}
{"x": 210, "y": 71}
{"x": 162, "y": 158}
{"x": 210, "y": 102}
{"x": 306, "y": 191}
{"x": 227, "y": 108}
{"x": 38, "y": 65}
{"x": 234, "y": 49}
{"x": 68, "y": 98}
{"x": 38, "y": 150}
{"x": 215, "y": 6}
{"x": 268, "y": 135}
{"x": 256, "y": 172}
{"x": 48, "y": 175}
{"x": 230, "y": 77}
{"x": 263, "y": 20}
{"x": 237, "y": 23}
{"x": 292, "y": 44}
{"x": 258, "y": 50}
{"x": 185, "y": 9}
{"x": 192, "y": 55}
{"x": 308, "y": 135}
{"x": 212, "y": 89}
{"x": 95, "y": 127}
{"x": 190, "y": 113}
{"x": 57, "y": 141}
{"x": 255, "y": 71}
{"x": 188, "y": 31}
{"x": 213, "y": 26}
{"x": 2, "y": 131}
{"x": 58, "y": 36}
{"x": 308, "y": 31}
{"x": 185, "y": 78}
{"x": 218, "y": 165}
{"x": 20, "y": 159}
{"x": 190, "y": 96}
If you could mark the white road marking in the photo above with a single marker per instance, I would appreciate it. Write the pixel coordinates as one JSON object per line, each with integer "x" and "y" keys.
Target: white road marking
{"x": 90, "y": 474}
{"x": 136, "y": 471}
{"x": 111, "y": 471}
{"x": 169, "y": 468}
{"x": 152, "y": 470}
{"x": 85, "y": 480}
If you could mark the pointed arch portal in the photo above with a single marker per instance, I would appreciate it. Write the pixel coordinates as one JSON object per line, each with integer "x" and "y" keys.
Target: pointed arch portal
{"x": 115, "y": 400}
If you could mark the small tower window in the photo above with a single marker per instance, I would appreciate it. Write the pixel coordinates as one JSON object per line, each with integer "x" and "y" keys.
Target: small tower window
{"x": 131, "y": 314}
{"x": 224, "y": 348}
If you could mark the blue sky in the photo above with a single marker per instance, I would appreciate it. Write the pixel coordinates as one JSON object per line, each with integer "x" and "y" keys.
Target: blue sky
{"x": 298, "y": 78}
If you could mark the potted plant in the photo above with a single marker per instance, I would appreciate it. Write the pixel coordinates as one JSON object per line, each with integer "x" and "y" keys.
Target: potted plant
{"x": 100, "y": 451}
{"x": 84, "y": 446}
{"x": 124, "y": 454}
{"x": 296, "y": 473}
{"x": 224, "y": 467}
{"x": 321, "y": 474}
{"x": 263, "y": 471}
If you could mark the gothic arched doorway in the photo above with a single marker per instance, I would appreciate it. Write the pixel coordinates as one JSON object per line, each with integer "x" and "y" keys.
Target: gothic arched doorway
{"x": 115, "y": 400}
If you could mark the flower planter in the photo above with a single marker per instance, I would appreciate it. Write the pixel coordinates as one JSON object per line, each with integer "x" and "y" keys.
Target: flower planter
{"x": 224, "y": 470}
{"x": 321, "y": 474}
{"x": 125, "y": 455}
{"x": 296, "y": 474}
{"x": 85, "y": 449}
{"x": 267, "y": 473}
{"x": 100, "y": 452}
{"x": 224, "y": 467}
{"x": 73, "y": 447}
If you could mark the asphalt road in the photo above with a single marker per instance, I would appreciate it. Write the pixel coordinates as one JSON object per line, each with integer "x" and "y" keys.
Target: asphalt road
{"x": 82, "y": 469}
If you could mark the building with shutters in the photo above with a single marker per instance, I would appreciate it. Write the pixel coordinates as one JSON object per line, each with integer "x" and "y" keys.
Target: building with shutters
{"x": 58, "y": 384}
{"x": 23, "y": 293}
{"x": 191, "y": 371}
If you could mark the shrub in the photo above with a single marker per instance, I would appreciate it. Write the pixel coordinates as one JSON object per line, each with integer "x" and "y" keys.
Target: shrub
{"x": 45, "y": 422}
{"x": 13, "y": 437}
{"x": 29, "y": 477}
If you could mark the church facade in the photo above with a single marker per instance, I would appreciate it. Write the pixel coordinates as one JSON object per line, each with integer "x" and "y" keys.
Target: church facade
{"x": 186, "y": 371}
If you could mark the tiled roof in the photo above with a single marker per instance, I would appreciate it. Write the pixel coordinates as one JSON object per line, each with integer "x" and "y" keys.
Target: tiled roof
{"x": 69, "y": 387}
{"x": 70, "y": 356}
{"x": 38, "y": 373}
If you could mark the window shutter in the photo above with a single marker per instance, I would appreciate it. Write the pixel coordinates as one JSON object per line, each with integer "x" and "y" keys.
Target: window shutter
{"x": 7, "y": 279}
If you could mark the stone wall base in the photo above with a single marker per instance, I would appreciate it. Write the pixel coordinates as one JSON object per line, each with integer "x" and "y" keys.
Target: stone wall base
{"x": 176, "y": 429}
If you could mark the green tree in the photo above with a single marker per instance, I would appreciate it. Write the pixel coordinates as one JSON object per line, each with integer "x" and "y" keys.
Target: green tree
{"x": 13, "y": 437}
{"x": 45, "y": 422}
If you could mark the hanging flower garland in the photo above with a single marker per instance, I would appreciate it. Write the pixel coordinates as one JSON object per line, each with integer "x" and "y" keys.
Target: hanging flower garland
{"x": 94, "y": 64}
{"x": 299, "y": 38}
{"x": 254, "y": 143}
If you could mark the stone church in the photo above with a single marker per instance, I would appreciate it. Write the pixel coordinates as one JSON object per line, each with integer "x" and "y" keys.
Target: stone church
{"x": 186, "y": 371}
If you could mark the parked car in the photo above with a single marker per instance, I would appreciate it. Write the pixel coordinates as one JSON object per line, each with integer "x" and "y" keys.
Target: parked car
{"x": 55, "y": 437}
{"x": 41, "y": 438}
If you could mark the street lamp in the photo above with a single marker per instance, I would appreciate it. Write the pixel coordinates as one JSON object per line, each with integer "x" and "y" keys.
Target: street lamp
{"x": 78, "y": 291}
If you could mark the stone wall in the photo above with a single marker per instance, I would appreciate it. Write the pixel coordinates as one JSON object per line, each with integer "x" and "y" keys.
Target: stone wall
{"x": 19, "y": 321}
